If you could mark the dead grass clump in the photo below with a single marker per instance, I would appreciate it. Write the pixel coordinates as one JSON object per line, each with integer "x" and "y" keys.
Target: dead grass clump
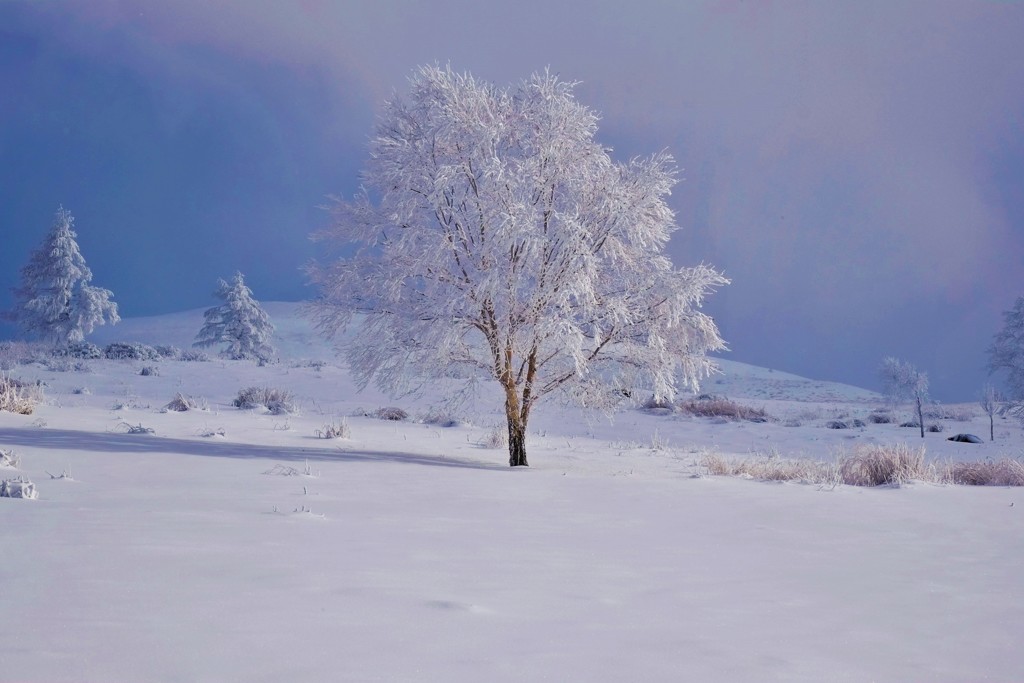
{"x": 277, "y": 401}
{"x": 771, "y": 468}
{"x": 723, "y": 407}
{"x": 390, "y": 413}
{"x": 496, "y": 438}
{"x": 182, "y": 403}
{"x": 883, "y": 465}
{"x": 954, "y": 413}
{"x": 335, "y": 430}
{"x": 1005, "y": 472}
{"x": 882, "y": 418}
{"x": 19, "y": 397}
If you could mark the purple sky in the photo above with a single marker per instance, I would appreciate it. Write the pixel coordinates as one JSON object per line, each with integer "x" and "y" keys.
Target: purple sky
{"x": 856, "y": 168}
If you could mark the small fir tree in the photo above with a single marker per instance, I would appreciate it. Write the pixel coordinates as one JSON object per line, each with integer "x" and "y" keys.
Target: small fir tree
{"x": 239, "y": 322}
{"x": 55, "y": 301}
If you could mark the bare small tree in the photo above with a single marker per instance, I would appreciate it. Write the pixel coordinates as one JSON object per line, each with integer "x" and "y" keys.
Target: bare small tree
{"x": 901, "y": 381}
{"x": 989, "y": 402}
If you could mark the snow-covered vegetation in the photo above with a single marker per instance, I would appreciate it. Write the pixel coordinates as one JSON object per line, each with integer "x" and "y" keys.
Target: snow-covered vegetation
{"x": 239, "y": 323}
{"x": 501, "y": 241}
{"x": 55, "y": 301}
{"x": 410, "y": 551}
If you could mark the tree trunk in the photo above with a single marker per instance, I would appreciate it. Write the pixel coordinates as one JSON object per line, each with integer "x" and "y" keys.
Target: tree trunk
{"x": 991, "y": 428}
{"x": 920, "y": 415}
{"x": 517, "y": 444}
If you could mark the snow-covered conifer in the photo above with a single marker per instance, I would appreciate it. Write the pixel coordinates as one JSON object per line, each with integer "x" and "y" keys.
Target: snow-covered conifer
{"x": 501, "y": 238}
{"x": 55, "y": 301}
{"x": 239, "y": 322}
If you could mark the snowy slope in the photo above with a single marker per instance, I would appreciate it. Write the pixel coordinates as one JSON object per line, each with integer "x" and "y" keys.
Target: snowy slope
{"x": 409, "y": 552}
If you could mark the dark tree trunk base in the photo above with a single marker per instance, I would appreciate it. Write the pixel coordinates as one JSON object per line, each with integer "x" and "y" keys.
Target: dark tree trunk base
{"x": 516, "y": 446}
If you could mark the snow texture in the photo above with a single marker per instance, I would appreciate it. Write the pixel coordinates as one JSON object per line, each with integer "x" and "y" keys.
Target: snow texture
{"x": 408, "y": 552}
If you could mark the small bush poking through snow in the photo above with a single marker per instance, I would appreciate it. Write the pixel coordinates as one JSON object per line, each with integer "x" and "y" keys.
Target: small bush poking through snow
{"x": 954, "y": 413}
{"x": 884, "y": 465}
{"x": 723, "y": 407}
{"x": 1005, "y": 472}
{"x": 772, "y": 468}
{"x": 149, "y": 371}
{"x": 129, "y": 428}
{"x": 277, "y": 401}
{"x": 658, "y": 405}
{"x": 440, "y": 419}
{"x": 9, "y": 459}
{"x": 83, "y": 350}
{"x": 18, "y": 488}
{"x": 934, "y": 428}
{"x": 496, "y": 438}
{"x": 390, "y": 413}
{"x": 335, "y": 430}
{"x": 882, "y": 418}
{"x": 19, "y": 397}
{"x": 183, "y": 402}
{"x": 130, "y": 351}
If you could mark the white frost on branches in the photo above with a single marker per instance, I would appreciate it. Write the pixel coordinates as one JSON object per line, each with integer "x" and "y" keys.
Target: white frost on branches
{"x": 239, "y": 322}
{"x": 1007, "y": 350}
{"x": 496, "y": 235}
{"x": 55, "y": 301}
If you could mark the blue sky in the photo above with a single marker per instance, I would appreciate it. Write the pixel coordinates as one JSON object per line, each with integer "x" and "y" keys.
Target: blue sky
{"x": 857, "y": 169}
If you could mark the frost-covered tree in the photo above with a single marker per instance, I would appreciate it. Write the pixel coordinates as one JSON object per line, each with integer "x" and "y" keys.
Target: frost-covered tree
{"x": 239, "y": 322}
{"x": 990, "y": 400}
{"x": 901, "y": 382}
{"x": 494, "y": 235}
{"x": 55, "y": 301}
{"x": 1007, "y": 350}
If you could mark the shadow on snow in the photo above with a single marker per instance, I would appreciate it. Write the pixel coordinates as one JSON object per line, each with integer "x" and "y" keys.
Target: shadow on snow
{"x": 112, "y": 442}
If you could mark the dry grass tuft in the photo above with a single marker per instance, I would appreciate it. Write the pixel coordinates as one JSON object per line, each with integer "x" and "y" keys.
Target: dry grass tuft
{"x": 277, "y": 401}
{"x": 723, "y": 407}
{"x": 771, "y": 468}
{"x": 183, "y": 403}
{"x": 1005, "y": 472}
{"x": 19, "y": 397}
{"x": 887, "y": 465}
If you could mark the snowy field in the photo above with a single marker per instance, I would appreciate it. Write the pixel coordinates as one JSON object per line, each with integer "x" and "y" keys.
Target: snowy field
{"x": 411, "y": 552}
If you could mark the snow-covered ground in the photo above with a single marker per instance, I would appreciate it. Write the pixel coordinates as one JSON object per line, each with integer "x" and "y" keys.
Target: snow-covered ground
{"x": 410, "y": 552}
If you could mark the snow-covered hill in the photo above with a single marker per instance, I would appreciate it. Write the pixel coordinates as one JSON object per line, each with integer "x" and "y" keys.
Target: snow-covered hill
{"x": 236, "y": 545}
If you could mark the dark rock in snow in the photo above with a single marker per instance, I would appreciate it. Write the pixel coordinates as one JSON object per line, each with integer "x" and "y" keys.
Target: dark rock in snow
{"x": 965, "y": 438}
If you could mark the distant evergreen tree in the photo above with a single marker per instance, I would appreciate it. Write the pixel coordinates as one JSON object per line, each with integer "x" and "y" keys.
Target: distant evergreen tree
{"x": 239, "y": 322}
{"x": 55, "y": 301}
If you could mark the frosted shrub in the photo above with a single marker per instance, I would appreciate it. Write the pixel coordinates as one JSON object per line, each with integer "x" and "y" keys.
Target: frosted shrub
{"x": 130, "y": 351}
{"x": 277, "y": 401}
{"x": 882, "y": 418}
{"x": 18, "y": 488}
{"x": 335, "y": 430}
{"x": 182, "y": 403}
{"x": 150, "y": 371}
{"x": 83, "y": 350}
{"x": 496, "y": 438}
{"x": 19, "y": 397}
{"x": 440, "y": 419}
{"x": 390, "y": 413}
{"x": 9, "y": 459}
